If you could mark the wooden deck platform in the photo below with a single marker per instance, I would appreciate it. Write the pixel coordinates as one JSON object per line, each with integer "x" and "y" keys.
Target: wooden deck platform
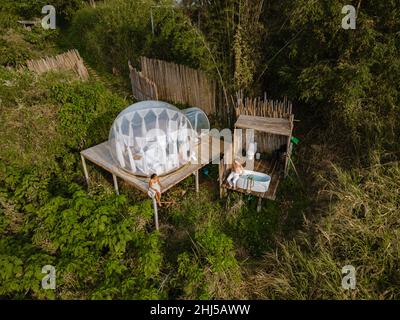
{"x": 264, "y": 167}
{"x": 101, "y": 156}
{"x": 206, "y": 151}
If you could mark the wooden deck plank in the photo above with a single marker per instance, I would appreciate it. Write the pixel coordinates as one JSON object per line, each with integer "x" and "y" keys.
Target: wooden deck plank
{"x": 263, "y": 119}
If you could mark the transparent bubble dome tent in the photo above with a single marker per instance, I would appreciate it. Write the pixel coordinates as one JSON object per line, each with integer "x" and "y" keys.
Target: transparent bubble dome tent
{"x": 155, "y": 137}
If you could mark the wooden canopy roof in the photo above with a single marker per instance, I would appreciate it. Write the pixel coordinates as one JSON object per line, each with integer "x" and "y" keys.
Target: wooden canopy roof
{"x": 279, "y": 126}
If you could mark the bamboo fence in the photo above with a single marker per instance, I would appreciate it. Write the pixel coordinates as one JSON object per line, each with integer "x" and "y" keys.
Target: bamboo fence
{"x": 70, "y": 60}
{"x": 142, "y": 87}
{"x": 264, "y": 107}
{"x": 179, "y": 83}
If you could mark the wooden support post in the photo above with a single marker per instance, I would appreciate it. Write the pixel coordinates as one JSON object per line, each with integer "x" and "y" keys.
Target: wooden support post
{"x": 115, "y": 184}
{"x": 85, "y": 169}
{"x": 289, "y": 147}
{"x": 259, "y": 204}
{"x": 155, "y": 212}
{"x": 197, "y": 180}
{"x": 295, "y": 170}
{"x": 288, "y": 151}
{"x": 221, "y": 178}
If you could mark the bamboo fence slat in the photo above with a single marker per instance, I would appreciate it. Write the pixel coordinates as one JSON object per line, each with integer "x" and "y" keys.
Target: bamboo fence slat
{"x": 70, "y": 60}
{"x": 142, "y": 88}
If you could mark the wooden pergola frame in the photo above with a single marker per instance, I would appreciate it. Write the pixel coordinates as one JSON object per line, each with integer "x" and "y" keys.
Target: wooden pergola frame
{"x": 277, "y": 126}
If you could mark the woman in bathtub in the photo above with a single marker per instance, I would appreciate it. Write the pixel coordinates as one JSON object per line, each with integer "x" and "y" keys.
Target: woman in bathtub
{"x": 237, "y": 170}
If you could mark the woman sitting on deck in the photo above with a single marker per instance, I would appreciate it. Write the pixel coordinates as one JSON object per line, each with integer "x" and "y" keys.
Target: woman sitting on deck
{"x": 155, "y": 188}
{"x": 237, "y": 170}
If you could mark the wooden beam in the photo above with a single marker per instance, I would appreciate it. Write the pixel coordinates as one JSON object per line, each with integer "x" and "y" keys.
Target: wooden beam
{"x": 29, "y": 22}
{"x": 288, "y": 148}
{"x": 197, "y": 180}
{"x": 286, "y": 169}
{"x": 278, "y": 126}
{"x": 85, "y": 169}
{"x": 259, "y": 204}
{"x": 115, "y": 184}
{"x": 155, "y": 212}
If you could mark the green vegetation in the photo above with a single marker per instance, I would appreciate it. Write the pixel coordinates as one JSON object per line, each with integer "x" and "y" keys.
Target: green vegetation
{"x": 342, "y": 210}
{"x": 11, "y": 9}
{"x": 360, "y": 227}
{"x": 97, "y": 241}
{"x": 347, "y": 78}
{"x": 118, "y": 31}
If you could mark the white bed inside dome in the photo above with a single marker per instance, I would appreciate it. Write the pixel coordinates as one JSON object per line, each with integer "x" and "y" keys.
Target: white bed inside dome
{"x": 154, "y": 137}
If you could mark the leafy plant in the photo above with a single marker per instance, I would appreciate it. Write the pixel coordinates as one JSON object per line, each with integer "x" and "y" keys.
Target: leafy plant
{"x": 12, "y": 54}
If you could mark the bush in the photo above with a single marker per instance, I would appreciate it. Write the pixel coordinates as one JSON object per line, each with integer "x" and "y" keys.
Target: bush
{"x": 39, "y": 37}
{"x": 28, "y": 9}
{"x": 120, "y": 30}
{"x": 95, "y": 242}
{"x": 7, "y": 20}
{"x": 98, "y": 242}
{"x": 212, "y": 271}
{"x": 86, "y": 114}
{"x": 13, "y": 54}
{"x": 75, "y": 115}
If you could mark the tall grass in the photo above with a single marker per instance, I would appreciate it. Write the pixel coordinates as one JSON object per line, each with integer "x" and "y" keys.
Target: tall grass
{"x": 359, "y": 227}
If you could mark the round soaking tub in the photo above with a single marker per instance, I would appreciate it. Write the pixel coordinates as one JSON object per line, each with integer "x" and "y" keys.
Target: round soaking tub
{"x": 254, "y": 181}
